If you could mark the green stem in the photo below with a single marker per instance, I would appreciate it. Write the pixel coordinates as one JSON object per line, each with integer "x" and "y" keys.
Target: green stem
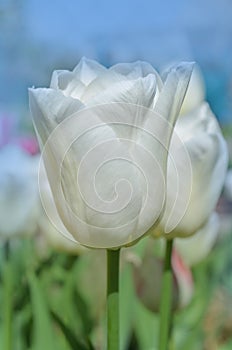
{"x": 7, "y": 302}
{"x": 166, "y": 300}
{"x": 113, "y": 299}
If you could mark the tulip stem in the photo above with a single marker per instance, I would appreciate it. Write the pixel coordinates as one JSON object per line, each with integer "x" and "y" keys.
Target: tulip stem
{"x": 166, "y": 313}
{"x": 113, "y": 257}
{"x": 7, "y": 302}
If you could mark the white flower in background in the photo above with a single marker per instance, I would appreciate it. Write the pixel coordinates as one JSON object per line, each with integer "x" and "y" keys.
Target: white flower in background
{"x": 106, "y": 134}
{"x": 206, "y": 147}
{"x": 148, "y": 271}
{"x": 195, "y": 248}
{"x": 18, "y": 192}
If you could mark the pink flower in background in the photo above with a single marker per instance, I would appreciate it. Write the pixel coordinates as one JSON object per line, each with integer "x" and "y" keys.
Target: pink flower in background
{"x": 28, "y": 144}
{"x": 8, "y": 135}
{"x": 184, "y": 278}
{"x": 19, "y": 197}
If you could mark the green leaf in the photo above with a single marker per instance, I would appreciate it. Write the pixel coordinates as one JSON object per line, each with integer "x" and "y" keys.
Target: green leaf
{"x": 82, "y": 309}
{"x": 23, "y": 328}
{"x": 43, "y": 332}
{"x": 146, "y": 327}
{"x": 7, "y": 305}
{"x": 70, "y": 336}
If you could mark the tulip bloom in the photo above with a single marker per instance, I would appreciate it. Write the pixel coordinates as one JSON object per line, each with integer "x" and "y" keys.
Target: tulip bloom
{"x": 195, "y": 248}
{"x": 106, "y": 134}
{"x": 189, "y": 206}
{"x": 197, "y": 164}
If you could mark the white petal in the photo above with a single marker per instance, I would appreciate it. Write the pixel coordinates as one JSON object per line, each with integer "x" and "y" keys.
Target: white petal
{"x": 94, "y": 179}
{"x": 158, "y": 126}
{"x": 188, "y": 205}
{"x": 140, "y": 92}
{"x": 136, "y": 70}
{"x": 139, "y": 87}
{"x": 50, "y": 224}
{"x": 49, "y": 108}
{"x": 196, "y": 92}
{"x": 87, "y": 70}
{"x": 173, "y": 92}
{"x": 124, "y": 99}
{"x": 68, "y": 83}
{"x": 195, "y": 248}
{"x": 102, "y": 83}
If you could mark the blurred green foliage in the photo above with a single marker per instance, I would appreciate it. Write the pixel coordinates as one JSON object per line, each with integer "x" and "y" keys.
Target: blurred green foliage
{"x": 57, "y": 302}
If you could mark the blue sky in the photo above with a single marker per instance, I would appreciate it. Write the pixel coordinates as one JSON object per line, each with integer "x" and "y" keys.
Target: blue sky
{"x": 49, "y": 35}
{"x": 81, "y": 20}
{"x": 87, "y": 24}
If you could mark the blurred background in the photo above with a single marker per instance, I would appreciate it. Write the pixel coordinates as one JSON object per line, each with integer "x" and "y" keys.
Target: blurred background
{"x": 56, "y": 294}
{"x": 38, "y": 37}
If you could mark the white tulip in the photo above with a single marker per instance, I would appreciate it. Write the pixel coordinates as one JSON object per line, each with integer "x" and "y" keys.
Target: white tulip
{"x": 188, "y": 206}
{"x": 106, "y": 134}
{"x": 195, "y": 248}
{"x": 18, "y": 192}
